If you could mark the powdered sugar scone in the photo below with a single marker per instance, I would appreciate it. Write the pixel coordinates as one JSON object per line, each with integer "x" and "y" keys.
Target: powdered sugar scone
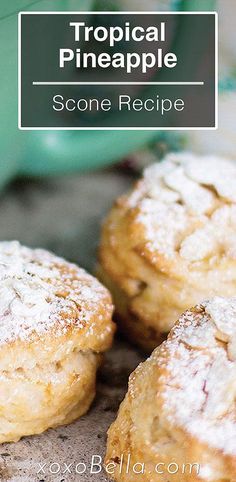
{"x": 55, "y": 323}
{"x": 178, "y": 418}
{"x": 170, "y": 243}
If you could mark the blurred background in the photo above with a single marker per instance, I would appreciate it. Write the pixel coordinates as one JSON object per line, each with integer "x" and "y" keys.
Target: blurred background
{"x": 55, "y": 187}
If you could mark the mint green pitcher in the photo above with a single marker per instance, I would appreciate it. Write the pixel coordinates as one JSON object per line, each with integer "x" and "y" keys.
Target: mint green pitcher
{"x": 49, "y": 152}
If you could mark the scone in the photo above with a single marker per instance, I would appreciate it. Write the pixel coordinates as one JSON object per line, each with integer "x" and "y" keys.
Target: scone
{"x": 178, "y": 420}
{"x": 55, "y": 323}
{"x": 170, "y": 243}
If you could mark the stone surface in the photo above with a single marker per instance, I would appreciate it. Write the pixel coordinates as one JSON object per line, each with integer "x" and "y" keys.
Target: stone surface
{"x": 64, "y": 215}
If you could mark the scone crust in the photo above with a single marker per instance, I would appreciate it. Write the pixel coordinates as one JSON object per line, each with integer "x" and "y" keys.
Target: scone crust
{"x": 170, "y": 243}
{"x": 56, "y": 321}
{"x": 49, "y": 306}
{"x": 180, "y": 404}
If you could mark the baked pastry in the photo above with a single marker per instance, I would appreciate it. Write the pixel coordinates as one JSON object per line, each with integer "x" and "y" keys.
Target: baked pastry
{"x": 178, "y": 418}
{"x": 55, "y": 322}
{"x": 170, "y": 243}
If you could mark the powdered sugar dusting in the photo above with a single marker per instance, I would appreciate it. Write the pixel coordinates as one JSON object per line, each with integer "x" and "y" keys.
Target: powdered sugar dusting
{"x": 199, "y": 385}
{"x": 173, "y": 216}
{"x": 39, "y": 290}
{"x": 198, "y": 199}
{"x": 223, "y": 313}
{"x": 217, "y": 172}
{"x": 187, "y": 207}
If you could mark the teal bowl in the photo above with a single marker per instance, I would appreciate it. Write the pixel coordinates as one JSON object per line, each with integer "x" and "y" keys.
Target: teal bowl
{"x": 50, "y": 152}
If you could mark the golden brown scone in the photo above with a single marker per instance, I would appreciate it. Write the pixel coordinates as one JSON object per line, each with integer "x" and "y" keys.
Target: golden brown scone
{"x": 170, "y": 243}
{"x": 179, "y": 415}
{"x": 55, "y": 322}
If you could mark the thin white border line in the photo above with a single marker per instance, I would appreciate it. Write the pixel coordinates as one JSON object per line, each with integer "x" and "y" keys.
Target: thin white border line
{"x": 119, "y": 128}
{"x": 85, "y": 12}
{"x": 19, "y": 71}
{"x": 117, "y": 83}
